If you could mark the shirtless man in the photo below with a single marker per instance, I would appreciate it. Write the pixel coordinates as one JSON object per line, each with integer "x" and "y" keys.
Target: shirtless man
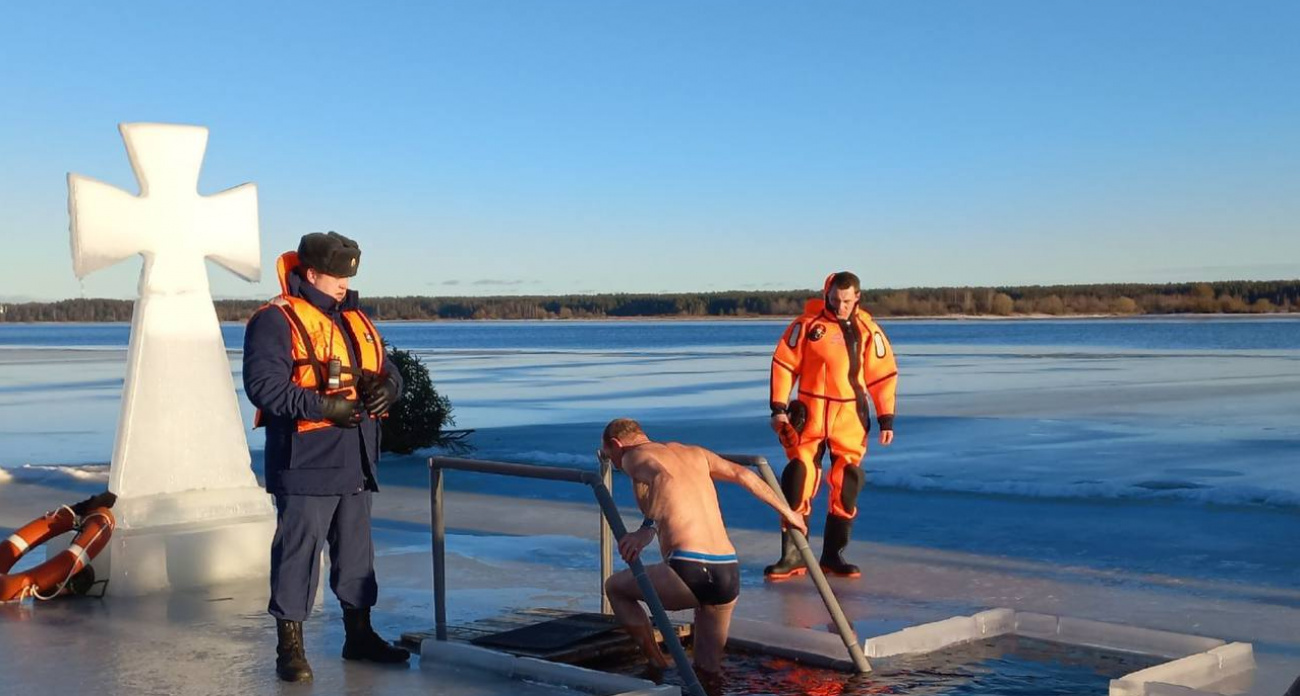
{"x": 674, "y": 489}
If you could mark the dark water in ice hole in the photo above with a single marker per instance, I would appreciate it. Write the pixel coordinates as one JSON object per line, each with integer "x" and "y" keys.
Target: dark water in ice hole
{"x": 1004, "y": 666}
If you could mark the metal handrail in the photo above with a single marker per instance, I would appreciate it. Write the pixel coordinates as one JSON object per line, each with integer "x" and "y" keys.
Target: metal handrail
{"x": 606, "y": 469}
{"x": 610, "y": 511}
{"x": 842, "y": 625}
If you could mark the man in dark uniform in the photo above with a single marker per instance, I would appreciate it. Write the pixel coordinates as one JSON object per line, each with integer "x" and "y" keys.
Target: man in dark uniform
{"x": 314, "y": 367}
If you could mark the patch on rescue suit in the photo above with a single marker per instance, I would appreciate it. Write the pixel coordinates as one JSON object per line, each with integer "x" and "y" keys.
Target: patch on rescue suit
{"x": 369, "y": 337}
{"x": 816, "y": 332}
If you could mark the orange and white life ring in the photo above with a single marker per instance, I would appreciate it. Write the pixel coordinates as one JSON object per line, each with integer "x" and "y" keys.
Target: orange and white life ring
{"x": 49, "y": 579}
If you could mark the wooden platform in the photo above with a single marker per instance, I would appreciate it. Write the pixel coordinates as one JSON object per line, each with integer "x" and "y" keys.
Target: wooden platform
{"x": 613, "y": 645}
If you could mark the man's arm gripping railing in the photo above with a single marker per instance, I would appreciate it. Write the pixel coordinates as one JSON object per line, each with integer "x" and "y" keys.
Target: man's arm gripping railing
{"x": 842, "y": 625}
{"x": 606, "y": 501}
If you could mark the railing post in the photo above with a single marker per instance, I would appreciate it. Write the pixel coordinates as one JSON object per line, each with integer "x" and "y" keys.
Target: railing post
{"x": 606, "y": 540}
{"x": 600, "y": 486}
{"x": 842, "y": 625}
{"x": 436, "y": 525}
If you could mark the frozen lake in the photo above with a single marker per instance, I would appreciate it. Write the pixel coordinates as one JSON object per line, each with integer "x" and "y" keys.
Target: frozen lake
{"x": 1198, "y": 409}
{"x": 1141, "y": 471}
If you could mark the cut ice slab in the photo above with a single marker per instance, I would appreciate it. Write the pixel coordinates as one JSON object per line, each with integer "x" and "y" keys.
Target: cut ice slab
{"x": 204, "y": 538}
{"x": 1197, "y": 662}
{"x": 438, "y": 655}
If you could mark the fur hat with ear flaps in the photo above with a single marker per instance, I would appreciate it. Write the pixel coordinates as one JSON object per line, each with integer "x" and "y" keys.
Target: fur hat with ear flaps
{"x": 330, "y": 253}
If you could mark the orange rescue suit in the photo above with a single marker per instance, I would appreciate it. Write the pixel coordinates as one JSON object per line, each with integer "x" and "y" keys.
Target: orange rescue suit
{"x": 838, "y": 366}
{"x": 317, "y": 340}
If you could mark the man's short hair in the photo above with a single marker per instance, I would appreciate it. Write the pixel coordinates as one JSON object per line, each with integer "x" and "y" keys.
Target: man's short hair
{"x": 845, "y": 280}
{"x": 622, "y": 429}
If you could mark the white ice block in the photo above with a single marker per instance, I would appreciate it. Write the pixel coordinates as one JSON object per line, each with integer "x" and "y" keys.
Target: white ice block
{"x": 181, "y": 464}
{"x": 995, "y": 622}
{"x": 804, "y": 645}
{"x": 925, "y": 638}
{"x": 1203, "y": 662}
{"x": 458, "y": 655}
{"x": 942, "y": 634}
{"x": 1193, "y": 671}
{"x": 574, "y": 677}
{"x": 1235, "y": 658}
{"x": 189, "y": 556}
{"x": 1123, "y": 638}
{"x": 462, "y": 655}
{"x": 1036, "y": 625}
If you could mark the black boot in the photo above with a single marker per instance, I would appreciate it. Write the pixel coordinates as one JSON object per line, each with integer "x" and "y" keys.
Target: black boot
{"x": 290, "y": 662}
{"x": 360, "y": 641}
{"x": 791, "y": 563}
{"x": 836, "y": 538}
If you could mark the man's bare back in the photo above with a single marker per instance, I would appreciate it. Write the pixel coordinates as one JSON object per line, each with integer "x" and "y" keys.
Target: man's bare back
{"x": 674, "y": 486}
{"x": 675, "y": 489}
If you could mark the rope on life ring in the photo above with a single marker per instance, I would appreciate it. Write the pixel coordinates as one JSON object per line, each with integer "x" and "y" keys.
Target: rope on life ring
{"x": 94, "y": 527}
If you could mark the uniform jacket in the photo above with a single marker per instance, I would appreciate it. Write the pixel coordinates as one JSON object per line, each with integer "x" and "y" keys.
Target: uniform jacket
{"x": 320, "y": 461}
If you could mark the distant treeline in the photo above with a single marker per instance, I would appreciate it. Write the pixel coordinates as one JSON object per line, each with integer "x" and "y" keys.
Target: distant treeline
{"x": 1236, "y": 297}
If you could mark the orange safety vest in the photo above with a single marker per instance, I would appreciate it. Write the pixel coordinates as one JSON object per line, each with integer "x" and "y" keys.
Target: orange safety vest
{"x": 316, "y": 340}
{"x": 815, "y": 350}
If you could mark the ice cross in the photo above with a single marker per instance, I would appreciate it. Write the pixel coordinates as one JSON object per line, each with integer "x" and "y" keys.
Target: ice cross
{"x": 180, "y": 427}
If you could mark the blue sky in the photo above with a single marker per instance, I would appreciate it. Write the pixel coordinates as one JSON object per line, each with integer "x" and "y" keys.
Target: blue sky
{"x": 539, "y": 146}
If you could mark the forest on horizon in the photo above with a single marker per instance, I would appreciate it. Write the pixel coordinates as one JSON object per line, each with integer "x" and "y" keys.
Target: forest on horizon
{"x": 1117, "y": 299}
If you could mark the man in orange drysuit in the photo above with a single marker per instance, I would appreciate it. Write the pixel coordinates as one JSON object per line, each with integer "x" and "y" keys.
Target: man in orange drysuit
{"x": 839, "y": 357}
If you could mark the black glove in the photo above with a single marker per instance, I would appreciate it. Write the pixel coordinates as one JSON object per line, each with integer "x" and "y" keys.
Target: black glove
{"x": 340, "y": 410}
{"x": 378, "y": 393}
{"x": 101, "y": 500}
{"x": 788, "y": 434}
{"x": 798, "y": 413}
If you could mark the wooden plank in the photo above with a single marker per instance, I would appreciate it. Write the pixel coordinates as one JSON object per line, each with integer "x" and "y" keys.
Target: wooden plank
{"x": 604, "y": 646}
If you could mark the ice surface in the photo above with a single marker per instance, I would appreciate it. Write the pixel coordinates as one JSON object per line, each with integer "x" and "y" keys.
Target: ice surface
{"x": 997, "y": 493}
{"x": 1206, "y": 426}
{"x": 1045, "y": 422}
{"x": 504, "y": 557}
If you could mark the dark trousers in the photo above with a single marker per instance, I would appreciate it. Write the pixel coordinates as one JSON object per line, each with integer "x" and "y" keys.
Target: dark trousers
{"x": 304, "y": 523}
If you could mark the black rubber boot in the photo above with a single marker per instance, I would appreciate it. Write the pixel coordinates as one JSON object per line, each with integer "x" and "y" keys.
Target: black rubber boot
{"x": 290, "y": 662}
{"x": 362, "y": 643}
{"x": 791, "y": 564}
{"x": 838, "y": 530}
